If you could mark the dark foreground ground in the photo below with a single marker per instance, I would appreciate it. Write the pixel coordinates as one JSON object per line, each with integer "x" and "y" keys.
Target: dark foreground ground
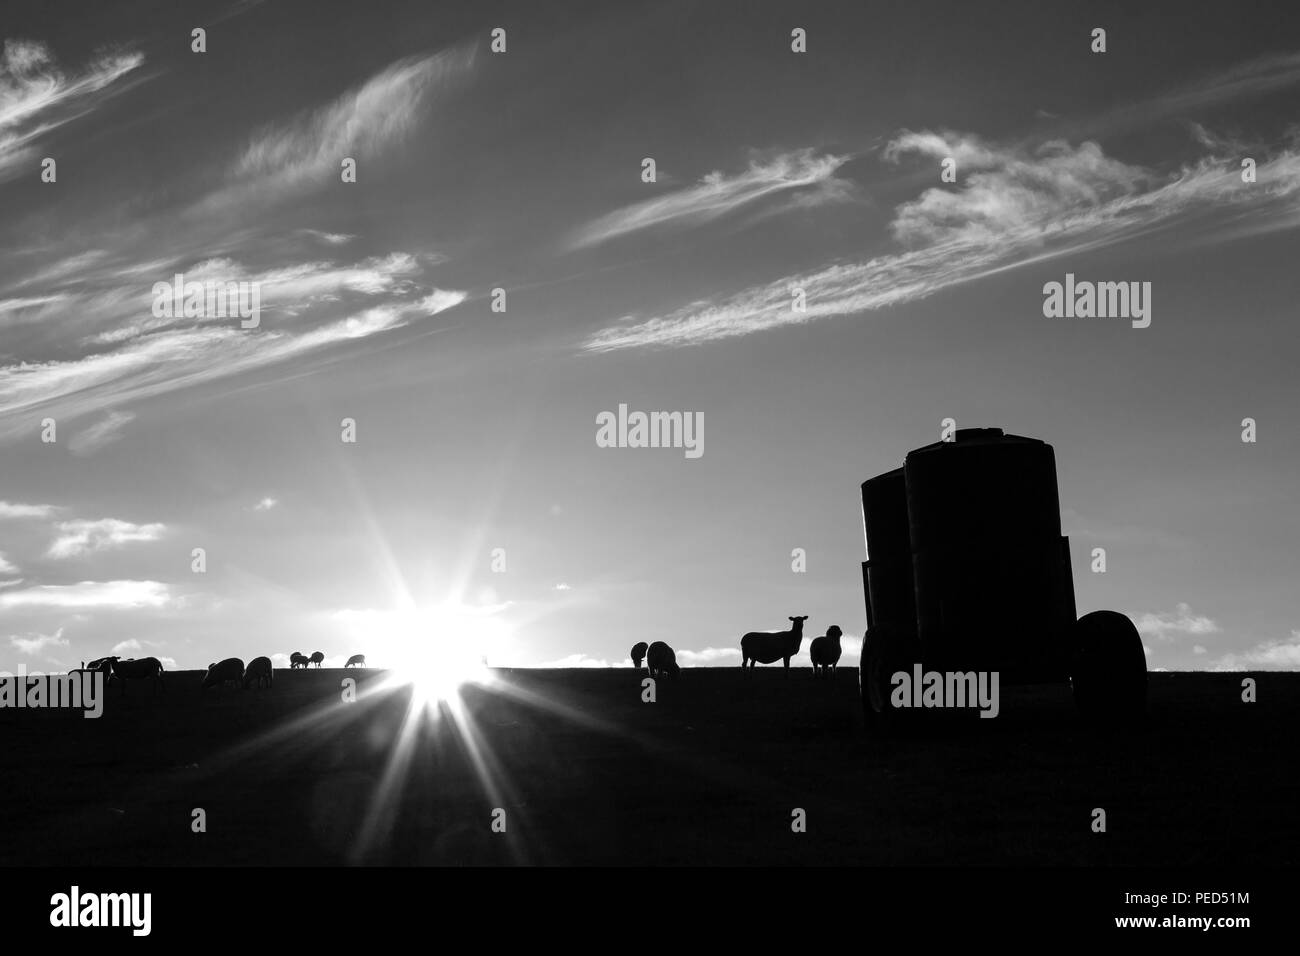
{"x": 586, "y": 773}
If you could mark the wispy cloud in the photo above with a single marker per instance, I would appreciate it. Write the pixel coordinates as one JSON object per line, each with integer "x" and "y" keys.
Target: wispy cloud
{"x": 77, "y": 538}
{"x": 330, "y": 238}
{"x": 36, "y": 643}
{"x": 9, "y": 509}
{"x": 287, "y": 291}
{"x": 36, "y": 96}
{"x": 1271, "y": 655}
{"x": 90, "y": 594}
{"x": 1166, "y": 626}
{"x": 91, "y": 339}
{"x": 1007, "y": 192}
{"x": 130, "y": 645}
{"x": 440, "y": 300}
{"x": 718, "y": 194}
{"x": 150, "y": 364}
{"x": 708, "y": 655}
{"x": 1251, "y": 79}
{"x": 1015, "y": 206}
{"x": 582, "y": 660}
{"x": 361, "y": 124}
{"x": 30, "y": 302}
{"x": 266, "y": 504}
{"x": 104, "y": 432}
{"x": 7, "y": 566}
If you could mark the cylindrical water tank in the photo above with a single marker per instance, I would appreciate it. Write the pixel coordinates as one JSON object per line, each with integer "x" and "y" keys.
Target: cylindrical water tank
{"x": 887, "y": 574}
{"x": 884, "y": 516}
{"x": 984, "y": 486}
{"x": 985, "y": 532}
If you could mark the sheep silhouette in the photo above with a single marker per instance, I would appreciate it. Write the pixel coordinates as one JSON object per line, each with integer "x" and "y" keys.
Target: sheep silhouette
{"x": 768, "y": 647}
{"x": 298, "y": 659}
{"x": 229, "y": 671}
{"x": 356, "y": 660}
{"x": 146, "y": 668}
{"x": 661, "y": 660}
{"x": 638, "y": 653}
{"x": 259, "y": 669}
{"x": 317, "y": 658}
{"x": 825, "y": 651}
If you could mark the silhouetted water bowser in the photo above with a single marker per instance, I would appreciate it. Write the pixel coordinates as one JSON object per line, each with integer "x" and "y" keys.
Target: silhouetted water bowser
{"x": 967, "y": 573}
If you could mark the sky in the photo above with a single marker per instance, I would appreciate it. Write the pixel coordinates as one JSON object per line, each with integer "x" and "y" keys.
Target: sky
{"x": 475, "y": 498}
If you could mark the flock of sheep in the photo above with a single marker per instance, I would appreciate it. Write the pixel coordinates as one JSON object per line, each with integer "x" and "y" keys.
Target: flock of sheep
{"x": 231, "y": 671}
{"x": 756, "y": 647}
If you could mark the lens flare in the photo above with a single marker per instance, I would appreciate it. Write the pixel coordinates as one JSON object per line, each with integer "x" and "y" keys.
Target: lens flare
{"x": 434, "y": 650}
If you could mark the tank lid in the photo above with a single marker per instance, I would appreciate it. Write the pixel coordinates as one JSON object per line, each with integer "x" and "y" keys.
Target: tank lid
{"x": 977, "y": 436}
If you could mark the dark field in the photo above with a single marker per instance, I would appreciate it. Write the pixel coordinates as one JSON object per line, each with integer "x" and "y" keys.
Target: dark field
{"x": 588, "y": 774}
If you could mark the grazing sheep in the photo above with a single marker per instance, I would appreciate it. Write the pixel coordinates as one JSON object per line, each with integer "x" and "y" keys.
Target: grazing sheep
{"x": 825, "y": 651}
{"x": 638, "y": 654}
{"x": 297, "y": 659}
{"x": 317, "y": 658}
{"x": 147, "y": 668}
{"x": 259, "y": 669}
{"x": 661, "y": 660}
{"x": 104, "y": 664}
{"x": 229, "y": 671}
{"x": 358, "y": 660}
{"x": 768, "y": 647}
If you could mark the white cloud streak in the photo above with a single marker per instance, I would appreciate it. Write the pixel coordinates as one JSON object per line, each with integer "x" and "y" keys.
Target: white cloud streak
{"x": 1272, "y": 655}
{"x": 36, "y": 643}
{"x": 37, "y": 97}
{"x": 1015, "y": 206}
{"x": 104, "y": 432}
{"x": 77, "y": 538}
{"x": 10, "y": 509}
{"x": 383, "y": 111}
{"x": 89, "y": 594}
{"x": 1167, "y": 626}
{"x": 717, "y": 195}
{"x": 582, "y": 660}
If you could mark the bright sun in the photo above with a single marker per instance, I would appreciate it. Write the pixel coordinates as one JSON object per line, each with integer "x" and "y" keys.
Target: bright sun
{"x": 436, "y": 650}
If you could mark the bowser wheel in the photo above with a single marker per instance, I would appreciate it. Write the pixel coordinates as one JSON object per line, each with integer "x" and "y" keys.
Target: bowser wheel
{"x": 1109, "y": 669}
{"x": 885, "y": 651}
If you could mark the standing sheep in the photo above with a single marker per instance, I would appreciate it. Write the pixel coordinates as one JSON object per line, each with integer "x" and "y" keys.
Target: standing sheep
{"x": 638, "y": 654}
{"x": 317, "y": 658}
{"x": 825, "y": 651}
{"x": 661, "y": 660}
{"x": 358, "y": 660}
{"x": 768, "y": 647}
{"x": 297, "y": 659}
